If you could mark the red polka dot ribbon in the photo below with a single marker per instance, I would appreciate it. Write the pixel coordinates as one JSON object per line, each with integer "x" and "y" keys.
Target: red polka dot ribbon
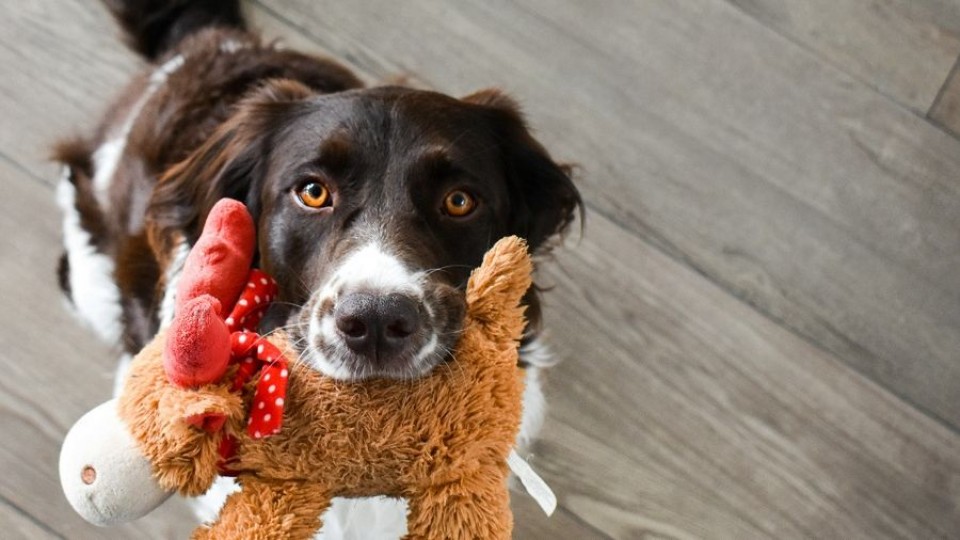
{"x": 256, "y": 353}
{"x": 260, "y": 290}
{"x": 253, "y": 354}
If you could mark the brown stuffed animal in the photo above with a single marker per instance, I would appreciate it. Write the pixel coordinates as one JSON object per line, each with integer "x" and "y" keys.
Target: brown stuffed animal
{"x": 440, "y": 441}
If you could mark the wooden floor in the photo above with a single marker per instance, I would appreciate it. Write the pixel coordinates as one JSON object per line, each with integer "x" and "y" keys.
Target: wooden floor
{"x": 760, "y": 328}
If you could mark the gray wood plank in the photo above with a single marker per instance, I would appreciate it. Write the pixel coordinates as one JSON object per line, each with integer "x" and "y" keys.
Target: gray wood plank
{"x": 903, "y": 48}
{"x": 531, "y": 523}
{"x": 17, "y": 526}
{"x": 271, "y": 28}
{"x": 61, "y": 61}
{"x": 681, "y": 412}
{"x": 945, "y": 111}
{"x": 54, "y": 371}
{"x": 815, "y": 198}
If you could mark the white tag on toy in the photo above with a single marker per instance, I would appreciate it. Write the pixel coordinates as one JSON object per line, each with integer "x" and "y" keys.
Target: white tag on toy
{"x": 535, "y": 486}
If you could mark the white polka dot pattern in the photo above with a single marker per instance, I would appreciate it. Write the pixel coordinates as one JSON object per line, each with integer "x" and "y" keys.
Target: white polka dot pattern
{"x": 254, "y": 353}
{"x": 253, "y": 302}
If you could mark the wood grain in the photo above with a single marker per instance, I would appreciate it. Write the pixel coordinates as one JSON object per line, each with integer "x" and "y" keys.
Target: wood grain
{"x": 530, "y": 522}
{"x": 902, "y": 48}
{"x": 18, "y": 526}
{"x": 61, "y": 63}
{"x": 681, "y": 412}
{"x": 945, "y": 111}
{"x": 801, "y": 190}
{"x": 54, "y": 371}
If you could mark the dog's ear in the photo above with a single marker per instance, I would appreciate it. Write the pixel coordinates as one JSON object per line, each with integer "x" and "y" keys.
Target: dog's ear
{"x": 230, "y": 164}
{"x": 543, "y": 198}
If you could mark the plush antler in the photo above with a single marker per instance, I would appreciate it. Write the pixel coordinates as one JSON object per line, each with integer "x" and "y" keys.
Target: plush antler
{"x": 197, "y": 350}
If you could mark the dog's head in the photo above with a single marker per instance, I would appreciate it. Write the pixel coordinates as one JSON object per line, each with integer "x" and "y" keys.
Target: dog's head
{"x": 372, "y": 207}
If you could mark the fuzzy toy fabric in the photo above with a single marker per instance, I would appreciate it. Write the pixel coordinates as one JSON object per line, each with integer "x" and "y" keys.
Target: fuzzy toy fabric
{"x": 441, "y": 441}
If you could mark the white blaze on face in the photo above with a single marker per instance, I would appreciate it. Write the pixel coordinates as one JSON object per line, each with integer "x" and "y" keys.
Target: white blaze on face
{"x": 370, "y": 269}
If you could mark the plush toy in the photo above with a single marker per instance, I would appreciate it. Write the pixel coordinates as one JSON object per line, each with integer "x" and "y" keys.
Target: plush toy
{"x": 209, "y": 396}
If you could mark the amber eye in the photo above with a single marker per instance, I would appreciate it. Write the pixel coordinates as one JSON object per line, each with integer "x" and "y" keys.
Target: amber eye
{"x": 459, "y": 203}
{"x": 314, "y": 195}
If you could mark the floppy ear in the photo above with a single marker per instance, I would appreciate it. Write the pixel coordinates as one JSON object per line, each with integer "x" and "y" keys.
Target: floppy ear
{"x": 231, "y": 163}
{"x": 543, "y": 197}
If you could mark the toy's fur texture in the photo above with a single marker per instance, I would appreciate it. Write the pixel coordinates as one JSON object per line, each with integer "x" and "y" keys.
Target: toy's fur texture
{"x": 440, "y": 441}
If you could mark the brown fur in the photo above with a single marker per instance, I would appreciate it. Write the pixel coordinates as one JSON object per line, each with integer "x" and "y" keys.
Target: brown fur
{"x": 210, "y": 131}
{"x": 181, "y": 115}
{"x": 440, "y": 441}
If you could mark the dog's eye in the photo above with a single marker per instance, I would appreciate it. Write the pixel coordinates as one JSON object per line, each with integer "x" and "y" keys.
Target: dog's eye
{"x": 314, "y": 194}
{"x": 459, "y": 203}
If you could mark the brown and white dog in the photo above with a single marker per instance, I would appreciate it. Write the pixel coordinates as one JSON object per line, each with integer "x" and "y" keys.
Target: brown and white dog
{"x": 372, "y": 204}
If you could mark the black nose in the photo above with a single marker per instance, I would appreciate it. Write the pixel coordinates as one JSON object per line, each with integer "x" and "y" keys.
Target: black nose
{"x": 377, "y": 327}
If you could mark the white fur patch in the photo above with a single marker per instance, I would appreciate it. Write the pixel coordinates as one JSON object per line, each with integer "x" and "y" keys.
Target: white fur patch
{"x": 231, "y": 46}
{"x": 368, "y": 518}
{"x": 120, "y": 377}
{"x": 93, "y": 290}
{"x": 318, "y": 359}
{"x": 534, "y": 408}
{"x": 107, "y": 157}
{"x": 172, "y": 276}
{"x": 373, "y": 269}
{"x": 536, "y": 352}
{"x": 370, "y": 269}
{"x": 207, "y": 506}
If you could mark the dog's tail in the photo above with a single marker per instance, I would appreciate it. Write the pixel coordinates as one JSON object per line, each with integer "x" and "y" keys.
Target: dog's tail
{"x": 155, "y": 26}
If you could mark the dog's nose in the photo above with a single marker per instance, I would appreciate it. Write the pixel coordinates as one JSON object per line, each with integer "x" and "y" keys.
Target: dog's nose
{"x": 377, "y": 327}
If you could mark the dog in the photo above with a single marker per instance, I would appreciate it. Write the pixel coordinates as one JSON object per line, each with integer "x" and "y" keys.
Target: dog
{"x": 372, "y": 205}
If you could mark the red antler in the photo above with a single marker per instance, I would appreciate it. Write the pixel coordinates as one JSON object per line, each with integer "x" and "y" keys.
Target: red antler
{"x": 219, "y": 262}
{"x": 197, "y": 349}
